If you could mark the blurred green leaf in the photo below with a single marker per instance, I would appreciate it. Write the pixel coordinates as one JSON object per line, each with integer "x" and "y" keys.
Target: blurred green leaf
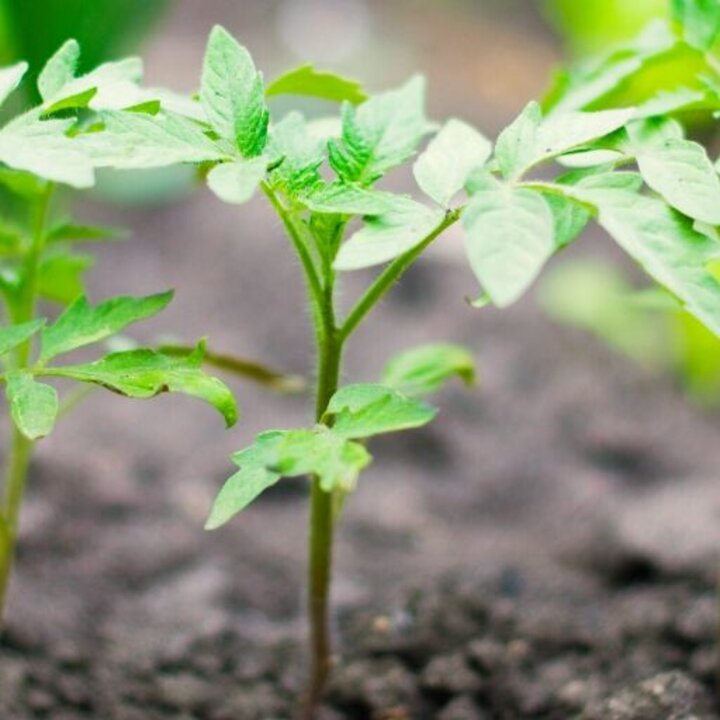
{"x": 423, "y": 370}
{"x": 13, "y": 335}
{"x": 306, "y": 80}
{"x": 61, "y": 276}
{"x": 33, "y": 405}
{"x": 105, "y": 29}
{"x": 699, "y": 19}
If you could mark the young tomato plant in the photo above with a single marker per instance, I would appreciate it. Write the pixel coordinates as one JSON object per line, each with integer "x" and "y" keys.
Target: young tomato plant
{"x": 38, "y": 153}
{"x": 321, "y": 179}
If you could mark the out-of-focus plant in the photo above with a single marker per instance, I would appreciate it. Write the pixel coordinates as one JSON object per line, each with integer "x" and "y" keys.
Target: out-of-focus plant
{"x": 49, "y": 147}
{"x": 671, "y": 70}
{"x": 646, "y": 324}
{"x": 591, "y": 26}
{"x": 672, "y": 65}
{"x": 31, "y": 30}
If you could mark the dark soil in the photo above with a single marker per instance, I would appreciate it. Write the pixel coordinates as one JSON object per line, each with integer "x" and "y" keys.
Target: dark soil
{"x": 547, "y": 549}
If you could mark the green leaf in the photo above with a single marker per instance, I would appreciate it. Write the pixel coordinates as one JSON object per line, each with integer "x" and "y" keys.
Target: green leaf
{"x": 297, "y": 152}
{"x": 61, "y": 275}
{"x": 112, "y": 85}
{"x": 530, "y": 140}
{"x": 23, "y": 184}
{"x": 510, "y": 235}
{"x": 570, "y": 219}
{"x": 452, "y": 155}
{"x": 10, "y": 78}
{"x": 388, "y": 236}
{"x": 339, "y": 198}
{"x": 145, "y": 373}
{"x": 581, "y": 159}
{"x": 516, "y": 146}
{"x": 13, "y": 335}
{"x": 236, "y": 182}
{"x": 362, "y": 411}
{"x": 665, "y": 244}
{"x": 59, "y": 71}
{"x": 138, "y": 141}
{"x": 592, "y": 83}
{"x": 82, "y": 324}
{"x": 306, "y": 80}
{"x": 700, "y": 20}
{"x": 253, "y": 478}
{"x": 42, "y": 148}
{"x": 682, "y": 173}
{"x": 424, "y": 369}
{"x": 289, "y": 453}
{"x": 72, "y": 233}
{"x": 232, "y": 94}
{"x": 33, "y": 405}
{"x": 381, "y": 134}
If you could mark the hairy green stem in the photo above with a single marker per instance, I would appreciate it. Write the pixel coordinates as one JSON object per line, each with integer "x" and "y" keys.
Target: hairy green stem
{"x": 330, "y": 340}
{"x": 321, "y": 536}
{"x": 391, "y": 275}
{"x": 21, "y": 448}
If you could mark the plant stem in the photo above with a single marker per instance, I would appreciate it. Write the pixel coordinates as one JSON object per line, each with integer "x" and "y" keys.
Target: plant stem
{"x": 391, "y": 275}
{"x": 321, "y": 514}
{"x": 21, "y": 448}
{"x": 330, "y": 340}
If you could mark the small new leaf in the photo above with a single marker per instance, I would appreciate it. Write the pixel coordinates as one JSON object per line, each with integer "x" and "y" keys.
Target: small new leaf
{"x": 452, "y": 155}
{"x": 297, "y": 154}
{"x": 362, "y": 411}
{"x": 424, "y": 370}
{"x": 33, "y": 405}
{"x": 380, "y": 134}
{"x": 308, "y": 81}
{"x": 232, "y": 94}
{"x": 82, "y": 324}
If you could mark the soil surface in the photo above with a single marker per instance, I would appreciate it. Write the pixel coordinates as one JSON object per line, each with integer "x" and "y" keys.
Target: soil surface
{"x": 547, "y": 549}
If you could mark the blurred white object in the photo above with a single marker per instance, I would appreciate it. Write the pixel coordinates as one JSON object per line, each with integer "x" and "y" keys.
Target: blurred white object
{"x": 324, "y": 30}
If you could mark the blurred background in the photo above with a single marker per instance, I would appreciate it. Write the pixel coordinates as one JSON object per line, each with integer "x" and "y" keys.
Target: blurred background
{"x": 571, "y": 419}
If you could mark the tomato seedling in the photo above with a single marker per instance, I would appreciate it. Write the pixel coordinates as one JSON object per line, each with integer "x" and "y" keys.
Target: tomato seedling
{"x": 40, "y": 150}
{"x": 321, "y": 178}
